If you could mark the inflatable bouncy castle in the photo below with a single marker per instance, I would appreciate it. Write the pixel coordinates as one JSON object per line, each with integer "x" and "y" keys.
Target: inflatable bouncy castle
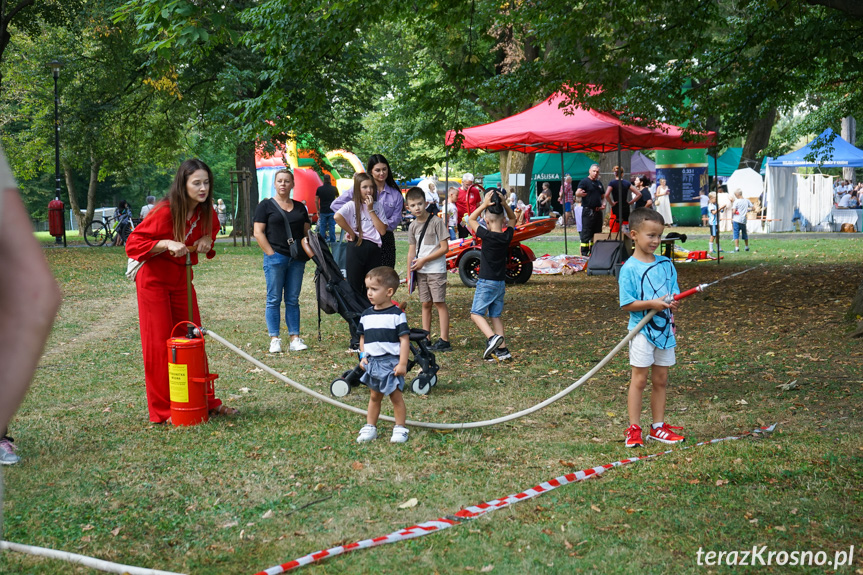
{"x": 306, "y": 179}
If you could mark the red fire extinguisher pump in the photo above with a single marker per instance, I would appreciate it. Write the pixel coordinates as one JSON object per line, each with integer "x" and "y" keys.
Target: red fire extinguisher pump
{"x": 189, "y": 378}
{"x": 56, "y": 220}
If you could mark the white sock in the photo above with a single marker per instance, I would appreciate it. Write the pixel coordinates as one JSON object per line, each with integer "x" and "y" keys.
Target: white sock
{"x": 656, "y": 425}
{"x": 711, "y": 246}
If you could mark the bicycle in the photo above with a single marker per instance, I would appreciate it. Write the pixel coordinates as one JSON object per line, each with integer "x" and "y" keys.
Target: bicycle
{"x": 97, "y": 233}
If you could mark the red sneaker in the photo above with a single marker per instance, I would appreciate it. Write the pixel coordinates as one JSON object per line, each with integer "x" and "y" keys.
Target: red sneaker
{"x": 665, "y": 435}
{"x": 633, "y": 436}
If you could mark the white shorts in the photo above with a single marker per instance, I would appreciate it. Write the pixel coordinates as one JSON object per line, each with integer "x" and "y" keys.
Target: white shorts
{"x": 642, "y": 353}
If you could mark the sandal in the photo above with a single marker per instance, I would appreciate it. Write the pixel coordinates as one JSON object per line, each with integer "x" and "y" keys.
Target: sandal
{"x": 224, "y": 410}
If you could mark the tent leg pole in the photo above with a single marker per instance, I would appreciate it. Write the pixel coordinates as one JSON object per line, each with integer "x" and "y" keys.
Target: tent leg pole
{"x": 718, "y": 214}
{"x": 446, "y": 191}
{"x": 565, "y": 244}
{"x": 620, "y": 200}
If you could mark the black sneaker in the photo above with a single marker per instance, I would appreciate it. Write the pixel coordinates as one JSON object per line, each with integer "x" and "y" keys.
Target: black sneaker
{"x": 493, "y": 343}
{"x": 500, "y": 354}
{"x": 441, "y": 345}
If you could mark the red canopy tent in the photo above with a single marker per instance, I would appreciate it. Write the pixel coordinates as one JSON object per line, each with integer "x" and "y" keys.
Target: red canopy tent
{"x": 548, "y": 127}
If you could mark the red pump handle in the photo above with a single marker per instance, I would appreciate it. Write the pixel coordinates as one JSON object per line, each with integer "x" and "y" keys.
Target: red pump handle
{"x": 193, "y": 324}
{"x": 688, "y": 293}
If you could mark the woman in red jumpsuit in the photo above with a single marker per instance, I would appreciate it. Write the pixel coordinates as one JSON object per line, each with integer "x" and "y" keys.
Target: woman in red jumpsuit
{"x": 183, "y": 223}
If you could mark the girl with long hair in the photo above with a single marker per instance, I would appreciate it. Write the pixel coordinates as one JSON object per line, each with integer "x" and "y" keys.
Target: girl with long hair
{"x": 391, "y": 201}
{"x": 364, "y": 228}
{"x": 182, "y": 224}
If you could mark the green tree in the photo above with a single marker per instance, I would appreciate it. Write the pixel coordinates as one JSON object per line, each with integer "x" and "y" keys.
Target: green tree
{"x": 112, "y": 117}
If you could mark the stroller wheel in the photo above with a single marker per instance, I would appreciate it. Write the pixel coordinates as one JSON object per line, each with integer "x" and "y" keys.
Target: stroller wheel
{"x": 433, "y": 380}
{"x": 420, "y": 385}
{"x": 340, "y": 388}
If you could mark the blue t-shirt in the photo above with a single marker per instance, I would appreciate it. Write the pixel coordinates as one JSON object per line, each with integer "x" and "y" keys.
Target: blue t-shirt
{"x": 713, "y": 213}
{"x": 640, "y": 281}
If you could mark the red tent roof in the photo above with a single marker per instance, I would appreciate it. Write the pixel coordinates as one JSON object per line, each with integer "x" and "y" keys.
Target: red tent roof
{"x": 549, "y": 128}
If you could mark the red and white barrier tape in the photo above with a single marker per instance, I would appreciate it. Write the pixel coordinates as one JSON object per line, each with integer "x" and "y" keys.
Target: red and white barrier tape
{"x": 478, "y": 510}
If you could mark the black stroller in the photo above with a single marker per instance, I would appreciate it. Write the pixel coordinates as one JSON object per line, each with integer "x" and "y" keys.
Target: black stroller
{"x": 335, "y": 295}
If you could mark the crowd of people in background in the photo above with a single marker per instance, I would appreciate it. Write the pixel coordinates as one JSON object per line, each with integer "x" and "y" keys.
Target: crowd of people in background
{"x": 847, "y": 195}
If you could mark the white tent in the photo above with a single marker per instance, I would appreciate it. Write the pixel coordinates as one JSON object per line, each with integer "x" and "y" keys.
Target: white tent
{"x": 815, "y": 202}
{"x": 747, "y": 180}
{"x": 783, "y": 197}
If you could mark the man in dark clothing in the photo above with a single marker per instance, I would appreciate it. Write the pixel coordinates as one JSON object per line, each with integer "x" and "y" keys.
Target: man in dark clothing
{"x": 592, "y": 196}
{"x": 323, "y": 198}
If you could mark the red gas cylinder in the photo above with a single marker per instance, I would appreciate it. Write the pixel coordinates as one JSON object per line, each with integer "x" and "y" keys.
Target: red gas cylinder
{"x": 189, "y": 379}
{"x": 56, "y": 221}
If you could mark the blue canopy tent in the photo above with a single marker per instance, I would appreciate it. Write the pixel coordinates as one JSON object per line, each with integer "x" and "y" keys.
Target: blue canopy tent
{"x": 781, "y": 181}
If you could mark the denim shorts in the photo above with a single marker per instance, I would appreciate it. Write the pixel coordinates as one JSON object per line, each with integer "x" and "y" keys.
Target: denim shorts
{"x": 739, "y": 230}
{"x": 488, "y": 297}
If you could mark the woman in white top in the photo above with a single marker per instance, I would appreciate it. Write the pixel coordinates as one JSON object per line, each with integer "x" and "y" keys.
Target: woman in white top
{"x": 662, "y": 201}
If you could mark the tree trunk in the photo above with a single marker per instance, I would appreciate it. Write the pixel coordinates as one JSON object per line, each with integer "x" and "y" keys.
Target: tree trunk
{"x": 609, "y": 160}
{"x": 245, "y": 158}
{"x": 849, "y": 134}
{"x": 517, "y": 163}
{"x": 84, "y": 219}
{"x": 756, "y": 141}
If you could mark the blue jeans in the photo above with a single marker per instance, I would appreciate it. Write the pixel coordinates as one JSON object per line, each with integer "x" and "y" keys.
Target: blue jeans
{"x": 452, "y": 235}
{"x": 327, "y": 227}
{"x": 284, "y": 280}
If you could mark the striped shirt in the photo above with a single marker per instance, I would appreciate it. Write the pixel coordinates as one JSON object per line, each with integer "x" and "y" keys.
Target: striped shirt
{"x": 381, "y": 330}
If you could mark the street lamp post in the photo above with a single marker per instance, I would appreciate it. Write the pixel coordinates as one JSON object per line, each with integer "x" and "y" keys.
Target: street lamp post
{"x": 56, "y": 208}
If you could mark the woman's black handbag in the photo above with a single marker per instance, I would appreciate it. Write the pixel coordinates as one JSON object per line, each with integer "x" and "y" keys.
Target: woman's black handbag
{"x": 297, "y": 251}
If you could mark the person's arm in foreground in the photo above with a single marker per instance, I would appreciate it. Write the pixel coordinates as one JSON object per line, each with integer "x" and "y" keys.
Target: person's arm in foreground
{"x": 29, "y": 300}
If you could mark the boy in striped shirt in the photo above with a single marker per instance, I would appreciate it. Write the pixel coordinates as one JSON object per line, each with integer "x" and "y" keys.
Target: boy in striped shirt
{"x": 384, "y": 345}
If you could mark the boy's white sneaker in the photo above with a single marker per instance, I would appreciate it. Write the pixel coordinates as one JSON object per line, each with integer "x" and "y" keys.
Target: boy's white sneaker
{"x": 400, "y": 434}
{"x": 276, "y": 345}
{"x": 368, "y": 433}
{"x": 297, "y": 344}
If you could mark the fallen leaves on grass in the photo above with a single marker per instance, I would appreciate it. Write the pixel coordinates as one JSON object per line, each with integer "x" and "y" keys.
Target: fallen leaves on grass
{"x": 412, "y": 502}
{"x": 356, "y": 466}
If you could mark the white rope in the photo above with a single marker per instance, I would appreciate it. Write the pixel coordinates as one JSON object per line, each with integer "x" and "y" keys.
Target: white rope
{"x": 91, "y": 562}
{"x": 470, "y": 425}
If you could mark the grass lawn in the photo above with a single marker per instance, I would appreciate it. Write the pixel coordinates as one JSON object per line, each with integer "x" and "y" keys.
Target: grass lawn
{"x": 286, "y": 477}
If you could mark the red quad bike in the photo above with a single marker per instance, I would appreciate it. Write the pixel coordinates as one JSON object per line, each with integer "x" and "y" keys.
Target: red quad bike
{"x": 463, "y": 255}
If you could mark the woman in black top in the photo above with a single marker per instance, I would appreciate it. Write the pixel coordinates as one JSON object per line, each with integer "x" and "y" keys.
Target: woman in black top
{"x": 620, "y": 211}
{"x": 643, "y": 186}
{"x": 284, "y": 274}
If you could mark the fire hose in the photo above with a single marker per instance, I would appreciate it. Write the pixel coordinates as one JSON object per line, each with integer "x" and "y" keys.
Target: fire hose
{"x": 485, "y": 423}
